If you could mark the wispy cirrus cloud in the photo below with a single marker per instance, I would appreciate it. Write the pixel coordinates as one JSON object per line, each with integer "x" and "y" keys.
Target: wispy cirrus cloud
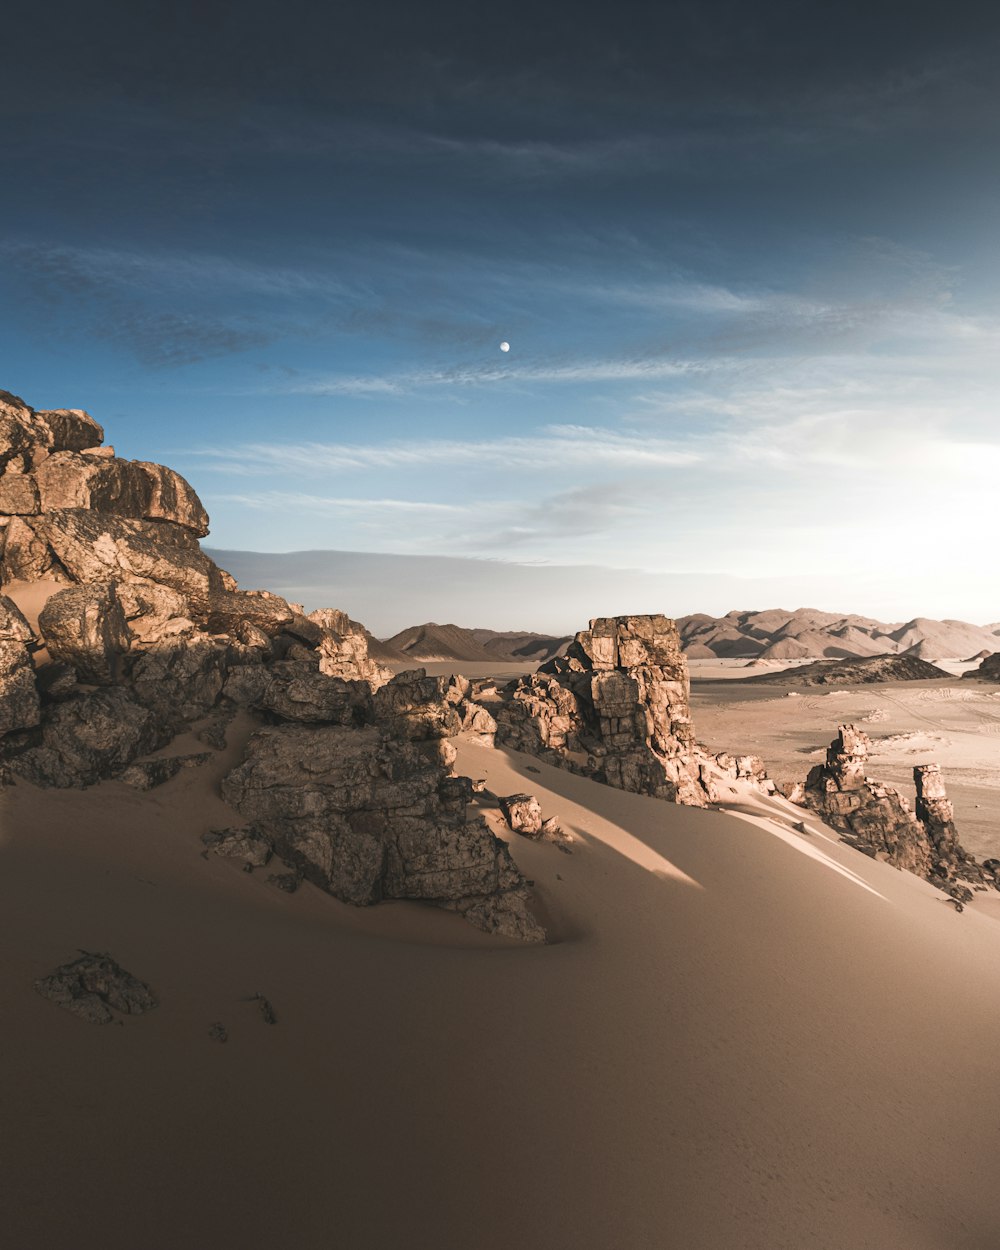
{"x": 564, "y": 445}
{"x": 575, "y": 372}
{"x": 297, "y": 501}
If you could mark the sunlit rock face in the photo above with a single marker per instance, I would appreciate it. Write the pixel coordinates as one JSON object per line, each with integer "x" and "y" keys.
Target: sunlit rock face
{"x": 616, "y": 707}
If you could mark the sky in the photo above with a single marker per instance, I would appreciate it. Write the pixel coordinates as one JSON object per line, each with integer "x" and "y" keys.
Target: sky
{"x": 747, "y": 259}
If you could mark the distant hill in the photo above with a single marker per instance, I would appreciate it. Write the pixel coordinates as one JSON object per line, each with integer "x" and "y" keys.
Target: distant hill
{"x": 433, "y": 642}
{"x": 806, "y": 633}
{"x": 873, "y": 668}
{"x": 521, "y": 645}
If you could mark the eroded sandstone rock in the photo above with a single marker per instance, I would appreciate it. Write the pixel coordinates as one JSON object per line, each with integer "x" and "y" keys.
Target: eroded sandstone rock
{"x": 248, "y": 844}
{"x": 14, "y": 625}
{"x": 616, "y": 707}
{"x": 362, "y": 815}
{"x": 94, "y": 986}
{"x": 878, "y": 820}
{"x": 88, "y": 736}
{"x": 523, "y": 813}
{"x": 19, "y": 702}
{"x": 84, "y": 626}
{"x": 76, "y": 545}
{"x": 353, "y": 783}
{"x": 297, "y": 692}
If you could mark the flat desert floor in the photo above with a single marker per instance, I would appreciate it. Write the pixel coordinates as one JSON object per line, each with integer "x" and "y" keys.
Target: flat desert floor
{"x": 740, "y": 1036}
{"x": 952, "y": 723}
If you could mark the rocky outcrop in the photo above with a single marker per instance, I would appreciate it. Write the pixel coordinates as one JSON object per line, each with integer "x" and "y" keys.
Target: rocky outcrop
{"x": 868, "y": 671}
{"x": 94, "y": 986}
{"x": 365, "y": 816}
{"x": 878, "y": 820}
{"x": 988, "y": 670}
{"x": 350, "y": 780}
{"x": 298, "y": 692}
{"x": 616, "y": 707}
{"x": 77, "y": 546}
{"x": 343, "y": 648}
{"x": 86, "y": 737}
{"x": 249, "y": 844}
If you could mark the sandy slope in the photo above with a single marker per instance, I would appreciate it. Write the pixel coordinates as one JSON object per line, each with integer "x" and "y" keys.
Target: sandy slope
{"x": 743, "y": 1038}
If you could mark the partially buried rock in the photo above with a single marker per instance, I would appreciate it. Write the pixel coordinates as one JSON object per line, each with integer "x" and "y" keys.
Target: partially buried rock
{"x": 287, "y": 881}
{"x": 93, "y": 986}
{"x": 552, "y": 831}
{"x": 248, "y": 844}
{"x": 523, "y": 813}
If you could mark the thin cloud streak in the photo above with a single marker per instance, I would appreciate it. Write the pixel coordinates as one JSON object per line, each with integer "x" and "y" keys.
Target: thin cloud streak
{"x": 578, "y": 446}
{"x": 296, "y": 501}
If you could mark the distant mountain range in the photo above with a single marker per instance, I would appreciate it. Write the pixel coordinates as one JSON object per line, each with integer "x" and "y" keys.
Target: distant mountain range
{"x": 775, "y": 634}
{"x": 807, "y": 634}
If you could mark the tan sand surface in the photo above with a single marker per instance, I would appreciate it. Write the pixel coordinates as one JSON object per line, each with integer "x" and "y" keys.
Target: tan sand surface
{"x": 31, "y": 597}
{"x": 954, "y": 724}
{"x": 743, "y": 1038}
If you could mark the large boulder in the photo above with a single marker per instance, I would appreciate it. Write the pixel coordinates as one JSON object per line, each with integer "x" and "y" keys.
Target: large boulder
{"x": 84, "y": 626}
{"x": 88, "y": 736}
{"x": 413, "y": 705}
{"x": 71, "y": 429}
{"x": 296, "y": 691}
{"x": 129, "y": 488}
{"x": 19, "y": 703}
{"x": 181, "y": 678}
{"x": 229, "y": 610}
{"x": 76, "y": 545}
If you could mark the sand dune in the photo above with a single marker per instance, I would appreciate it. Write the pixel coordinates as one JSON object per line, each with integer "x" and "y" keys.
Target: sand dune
{"x": 702, "y": 1058}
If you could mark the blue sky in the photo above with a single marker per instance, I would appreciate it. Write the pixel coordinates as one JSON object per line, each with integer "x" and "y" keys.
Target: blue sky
{"x": 746, "y": 258}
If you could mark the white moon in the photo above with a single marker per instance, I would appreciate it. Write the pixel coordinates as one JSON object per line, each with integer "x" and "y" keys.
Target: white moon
{"x": 505, "y": 347}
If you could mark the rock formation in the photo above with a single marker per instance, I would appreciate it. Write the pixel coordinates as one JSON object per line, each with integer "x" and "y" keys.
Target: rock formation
{"x": 94, "y": 986}
{"x": 142, "y": 634}
{"x": 988, "y": 670}
{"x": 878, "y": 820}
{"x": 616, "y": 707}
{"x": 870, "y": 670}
